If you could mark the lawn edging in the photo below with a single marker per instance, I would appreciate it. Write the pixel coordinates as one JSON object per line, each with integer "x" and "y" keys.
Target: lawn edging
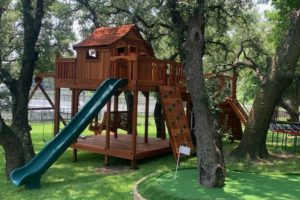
{"x": 136, "y": 194}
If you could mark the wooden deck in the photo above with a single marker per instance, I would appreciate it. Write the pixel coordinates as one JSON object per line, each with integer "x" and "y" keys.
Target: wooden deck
{"x": 121, "y": 146}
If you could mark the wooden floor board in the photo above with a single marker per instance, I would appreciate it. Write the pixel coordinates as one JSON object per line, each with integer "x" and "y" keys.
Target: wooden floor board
{"x": 121, "y": 146}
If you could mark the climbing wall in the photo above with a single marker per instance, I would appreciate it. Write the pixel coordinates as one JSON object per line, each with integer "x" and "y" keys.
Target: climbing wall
{"x": 175, "y": 117}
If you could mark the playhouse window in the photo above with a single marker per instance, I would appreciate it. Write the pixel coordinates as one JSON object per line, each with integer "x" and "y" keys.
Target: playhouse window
{"x": 92, "y": 54}
{"x": 132, "y": 49}
{"x": 121, "y": 51}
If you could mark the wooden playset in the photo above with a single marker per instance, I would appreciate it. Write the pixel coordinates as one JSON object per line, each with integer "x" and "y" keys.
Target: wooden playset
{"x": 121, "y": 52}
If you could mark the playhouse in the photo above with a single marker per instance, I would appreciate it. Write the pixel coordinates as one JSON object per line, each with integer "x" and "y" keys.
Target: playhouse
{"x": 121, "y": 52}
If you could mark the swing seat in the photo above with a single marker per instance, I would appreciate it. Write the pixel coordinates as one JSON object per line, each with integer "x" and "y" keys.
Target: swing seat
{"x": 118, "y": 120}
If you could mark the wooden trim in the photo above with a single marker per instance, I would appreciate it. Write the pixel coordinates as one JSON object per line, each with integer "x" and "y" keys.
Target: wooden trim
{"x": 131, "y": 58}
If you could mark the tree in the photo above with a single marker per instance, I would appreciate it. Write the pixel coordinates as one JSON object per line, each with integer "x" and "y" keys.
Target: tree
{"x": 56, "y": 35}
{"x": 190, "y": 32}
{"x": 279, "y": 76}
{"x": 279, "y": 18}
{"x": 16, "y": 139}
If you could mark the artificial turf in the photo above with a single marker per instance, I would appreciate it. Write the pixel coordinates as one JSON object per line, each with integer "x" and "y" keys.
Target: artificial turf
{"x": 239, "y": 185}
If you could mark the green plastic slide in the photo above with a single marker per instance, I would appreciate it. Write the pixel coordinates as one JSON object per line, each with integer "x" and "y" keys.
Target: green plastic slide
{"x": 30, "y": 174}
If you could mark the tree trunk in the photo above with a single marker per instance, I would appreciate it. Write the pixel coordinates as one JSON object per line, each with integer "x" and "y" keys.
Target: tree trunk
{"x": 14, "y": 153}
{"x": 295, "y": 96}
{"x": 129, "y": 103}
{"x": 16, "y": 140}
{"x": 253, "y": 141}
{"x": 210, "y": 162}
{"x": 158, "y": 118}
{"x": 279, "y": 77}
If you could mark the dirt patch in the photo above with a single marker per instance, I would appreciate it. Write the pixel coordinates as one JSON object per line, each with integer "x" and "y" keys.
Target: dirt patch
{"x": 284, "y": 156}
{"x": 113, "y": 170}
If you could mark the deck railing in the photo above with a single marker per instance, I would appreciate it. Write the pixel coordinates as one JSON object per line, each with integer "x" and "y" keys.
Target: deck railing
{"x": 147, "y": 71}
{"x": 140, "y": 70}
{"x": 65, "y": 68}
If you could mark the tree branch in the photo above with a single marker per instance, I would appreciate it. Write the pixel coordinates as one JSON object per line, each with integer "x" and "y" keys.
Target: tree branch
{"x": 39, "y": 13}
{"x": 219, "y": 43}
{"x": 93, "y": 13}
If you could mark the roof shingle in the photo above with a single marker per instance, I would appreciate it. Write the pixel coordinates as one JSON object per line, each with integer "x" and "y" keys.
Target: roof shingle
{"x": 105, "y": 36}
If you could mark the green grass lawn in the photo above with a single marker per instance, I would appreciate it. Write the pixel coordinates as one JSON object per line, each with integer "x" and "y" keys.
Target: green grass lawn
{"x": 89, "y": 179}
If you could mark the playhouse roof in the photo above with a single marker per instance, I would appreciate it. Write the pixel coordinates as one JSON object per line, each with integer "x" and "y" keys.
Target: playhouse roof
{"x": 105, "y": 36}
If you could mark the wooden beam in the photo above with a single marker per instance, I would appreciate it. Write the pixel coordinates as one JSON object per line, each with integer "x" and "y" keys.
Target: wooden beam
{"x": 37, "y": 84}
{"x": 50, "y": 102}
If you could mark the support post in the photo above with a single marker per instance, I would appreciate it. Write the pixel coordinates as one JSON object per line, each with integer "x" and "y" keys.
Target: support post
{"x": 116, "y": 108}
{"x": 146, "y": 94}
{"x": 134, "y": 128}
{"x": 56, "y": 111}
{"x": 74, "y": 110}
{"x": 107, "y": 138}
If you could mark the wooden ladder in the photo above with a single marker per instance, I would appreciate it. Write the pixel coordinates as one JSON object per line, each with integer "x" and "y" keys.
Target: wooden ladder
{"x": 175, "y": 117}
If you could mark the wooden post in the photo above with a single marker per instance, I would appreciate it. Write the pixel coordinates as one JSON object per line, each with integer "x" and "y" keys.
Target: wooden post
{"x": 134, "y": 127}
{"x": 116, "y": 108}
{"x": 234, "y": 80}
{"x": 146, "y": 94}
{"x": 56, "y": 111}
{"x": 116, "y": 101}
{"x": 107, "y": 140}
{"x": 74, "y": 110}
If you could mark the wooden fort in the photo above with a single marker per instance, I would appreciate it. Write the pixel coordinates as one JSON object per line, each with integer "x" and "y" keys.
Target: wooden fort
{"x": 121, "y": 52}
